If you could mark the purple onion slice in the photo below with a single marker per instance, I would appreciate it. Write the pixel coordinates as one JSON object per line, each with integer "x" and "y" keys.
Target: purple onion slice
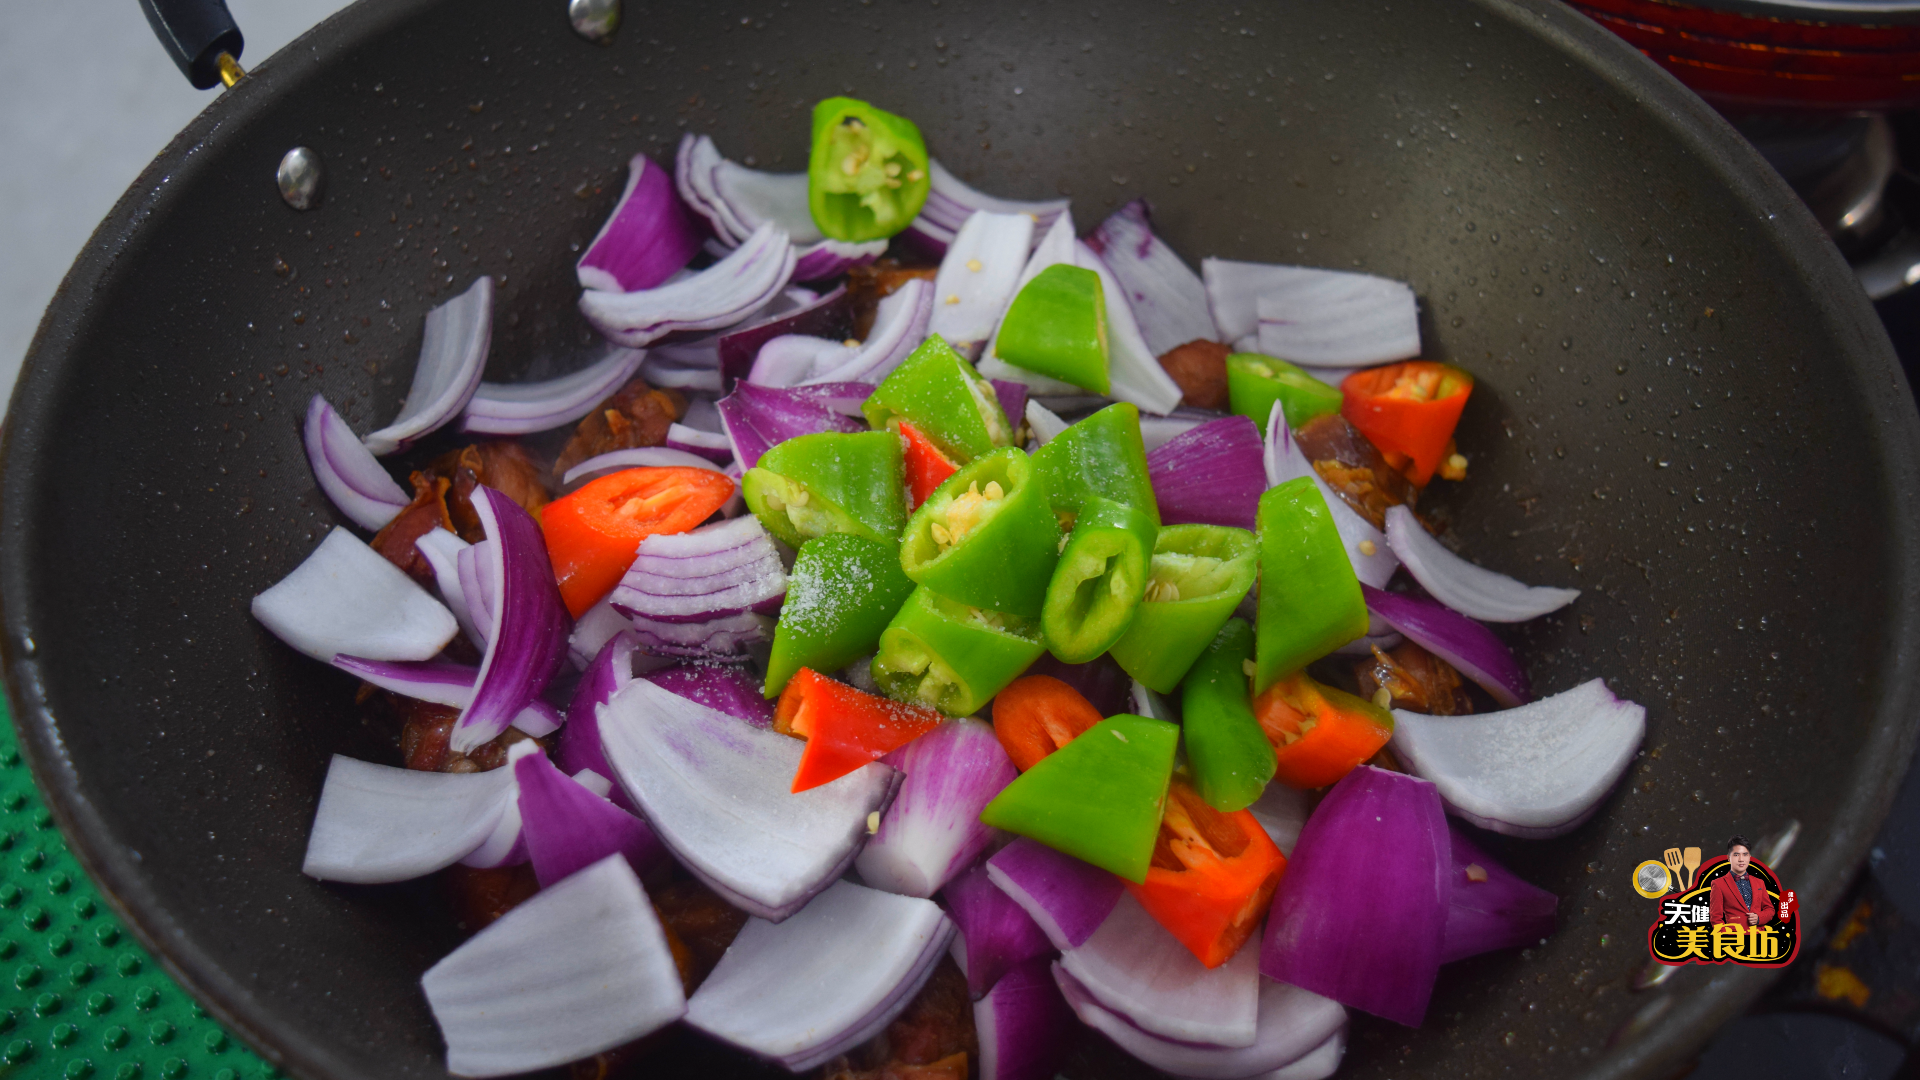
{"x": 717, "y": 686}
{"x": 1325, "y": 318}
{"x": 950, "y": 202}
{"x": 1373, "y": 561}
{"x": 1158, "y": 431}
{"x": 1537, "y": 771}
{"x": 1468, "y": 646}
{"x": 791, "y": 359}
{"x": 569, "y": 827}
{"x": 578, "y": 968}
{"x": 716, "y": 790}
{"x": 1135, "y": 370}
{"x": 710, "y": 446}
{"x": 528, "y": 624}
{"x": 712, "y": 572}
{"x": 1468, "y": 589}
{"x": 376, "y": 823}
{"x": 726, "y": 640}
{"x": 633, "y": 458}
{"x": 453, "y": 355}
{"x": 345, "y": 598}
{"x": 1067, "y": 898}
{"x": 721, "y": 295}
{"x": 933, "y": 830}
{"x": 578, "y": 748}
{"x": 441, "y": 548}
{"x": 760, "y": 417}
{"x": 647, "y": 239}
{"x": 1361, "y": 913}
{"x": 827, "y": 316}
{"x": 1024, "y": 1024}
{"x": 825, "y": 259}
{"x": 1043, "y": 422}
{"x": 977, "y": 278}
{"x": 1134, "y": 968}
{"x": 824, "y": 981}
{"x": 1490, "y": 908}
{"x": 523, "y": 408}
{"x": 1013, "y": 399}
{"x": 996, "y": 934}
{"x": 598, "y": 625}
{"x": 748, "y": 198}
{"x": 1212, "y": 475}
{"x": 1296, "y": 1028}
{"x": 899, "y": 326}
{"x": 1168, "y": 300}
{"x": 353, "y": 479}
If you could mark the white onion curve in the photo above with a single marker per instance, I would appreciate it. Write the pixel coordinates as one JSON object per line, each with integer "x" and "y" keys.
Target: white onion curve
{"x": 352, "y": 478}
{"x": 346, "y": 598}
{"x": 376, "y": 823}
{"x": 1473, "y": 591}
{"x": 1285, "y": 461}
{"x": 976, "y": 278}
{"x": 1135, "y": 968}
{"x": 524, "y": 408}
{"x": 721, "y": 295}
{"x": 453, "y": 356}
{"x": 1167, "y": 298}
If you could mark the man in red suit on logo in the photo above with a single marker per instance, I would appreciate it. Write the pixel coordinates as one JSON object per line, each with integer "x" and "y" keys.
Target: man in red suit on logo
{"x": 1738, "y": 897}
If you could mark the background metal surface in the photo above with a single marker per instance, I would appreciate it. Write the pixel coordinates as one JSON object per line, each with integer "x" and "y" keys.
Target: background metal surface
{"x": 1685, "y": 408}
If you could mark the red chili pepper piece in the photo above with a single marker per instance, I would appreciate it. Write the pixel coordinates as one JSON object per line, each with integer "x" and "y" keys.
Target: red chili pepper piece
{"x": 1212, "y": 876}
{"x": 593, "y": 534}
{"x": 927, "y": 468}
{"x": 845, "y": 728}
{"x": 1038, "y": 714}
{"x": 1408, "y": 410}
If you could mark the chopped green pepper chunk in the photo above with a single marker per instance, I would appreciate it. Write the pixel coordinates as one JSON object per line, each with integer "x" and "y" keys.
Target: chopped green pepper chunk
{"x": 867, "y": 175}
{"x": 945, "y": 399}
{"x": 841, "y": 593}
{"x": 1231, "y": 759}
{"x": 986, "y": 536}
{"x": 1198, "y": 575}
{"x": 832, "y": 482}
{"x": 1098, "y": 583}
{"x": 1310, "y": 602}
{"x": 1099, "y": 797}
{"x": 1057, "y": 326}
{"x": 1102, "y": 456}
{"x": 1255, "y": 382}
{"x": 943, "y": 653}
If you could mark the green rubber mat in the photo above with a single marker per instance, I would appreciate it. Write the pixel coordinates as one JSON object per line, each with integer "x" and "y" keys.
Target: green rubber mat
{"x": 79, "y": 996}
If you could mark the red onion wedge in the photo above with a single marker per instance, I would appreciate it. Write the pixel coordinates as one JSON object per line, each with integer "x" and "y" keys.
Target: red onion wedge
{"x": 996, "y": 935}
{"x": 1134, "y": 367}
{"x": 441, "y": 548}
{"x": 1024, "y": 1025}
{"x": 353, "y": 479}
{"x": 1488, "y": 907}
{"x": 727, "y": 568}
{"x": 1282, "y": 813}
{"x": 1361, "y": 912}
{"x": 1537, "y": 771}
{"x": 1294, "y": 1026}
{"x": 828, "y": 316}
{"x": 1134, "y": 968}
{"x": 523, "y": 408}
{"x": 721, "y": 295}
{"x": 899, "y": 326}
{"x": 591, "y": 632}
{"x": 1013, "y": 399}
{"x": 709, "y": 445}
{"x": 638, "y": 457}
{"x": 950, "y": 202}
{"x": 442, "y": 682}
{"x": 1326, "y": 318}
{"x": 453, "y": 355}
{"x": 716, "y": 791}
{"x": 758, "y": 417}
{"x": 647, "y": 239}
{"x": 977, "y": 277}
{"x": 825, "y": 259}
{"x": 568, "y": 827}
{"x": 1168, "y": 300}
{"x": 376, "y": 823}
{"x": 1458, "y": 640}
{"x": 580, "y": 967}
{"x": 1212, "y": 475}
{"x": 527, "y": 622}
{"x": 1067, "y": 898}
{"x": 793, "y": 358}
{"x": 1471, "y": 590}
{"x": 826, "y": 980}
{"x": 933, "y": 831}
{"x": 717, "y": 686}
{"x": 1373, "y": 561}
{"x": 727, "y": 640}
{"x": 346, "y": 598}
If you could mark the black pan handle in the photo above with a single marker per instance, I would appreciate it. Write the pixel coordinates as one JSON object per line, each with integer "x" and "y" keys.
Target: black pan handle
{"x": 201, "y": 36}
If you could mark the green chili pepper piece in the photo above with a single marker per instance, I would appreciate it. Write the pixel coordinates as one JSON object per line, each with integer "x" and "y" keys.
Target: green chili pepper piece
{"x": 867, "y": 175}
{"x": 942, "y": 653}
{"x": 1057, "y": 326}
{"x": 986, "y": 537}
{"x": 1310, "y": 602}
{"x": 1101, "y": 456}
{"x": 1231, "y": 759}
{"x": 1098, "y": 583}
{"x": 833, "y": 482}
{"x": 1198, "y": 575}
{"x": 1098, "y": 798}
{"x": 841, "y": 593}
{"x": 941, "y": 394}
{"x": 1255, "y": 382}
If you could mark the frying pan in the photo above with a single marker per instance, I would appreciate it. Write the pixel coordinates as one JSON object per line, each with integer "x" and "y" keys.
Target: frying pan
{"x": 1685, "y": 408}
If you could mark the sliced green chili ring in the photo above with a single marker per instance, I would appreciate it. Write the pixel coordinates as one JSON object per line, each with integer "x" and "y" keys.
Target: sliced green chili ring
{"x": 841, "y": 594}
{"x": 951, "y": 656}
{"x": 941, "y": 394}
{"x": 1310, "y": 602}
{"x": 986, "y": 537}
{"x": 1101, "y": 456}
{"x": 1255, "y": 382}
{"x": 1198, "y": 575}
{"x": 1229, "y": 755}
{"x": 1057, "y": 326}
{"x": 867, "y": 173}
{"x": 833, "y": 482}
{"x": 1098, "y": 583}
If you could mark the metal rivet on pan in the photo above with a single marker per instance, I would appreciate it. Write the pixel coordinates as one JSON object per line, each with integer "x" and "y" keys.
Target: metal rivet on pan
{"x": 301, "y": 179}
{"x": 595, "y": 20}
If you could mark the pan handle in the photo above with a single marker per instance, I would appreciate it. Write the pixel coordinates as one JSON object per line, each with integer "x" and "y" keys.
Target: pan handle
{"x": 201, "y": 36}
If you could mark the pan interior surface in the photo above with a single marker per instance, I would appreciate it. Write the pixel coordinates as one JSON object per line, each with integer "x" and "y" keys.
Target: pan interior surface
{"x": 1684, "y": 408}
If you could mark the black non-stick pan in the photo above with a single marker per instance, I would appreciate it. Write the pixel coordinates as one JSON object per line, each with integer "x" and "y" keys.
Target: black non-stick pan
{"x": 1685, "y": 408}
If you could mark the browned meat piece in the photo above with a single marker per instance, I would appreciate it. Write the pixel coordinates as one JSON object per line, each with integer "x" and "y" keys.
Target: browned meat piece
{"x": 704, "y": 924}
{"x": 1415, "y": 679}
{"x": 637, "y": 415}
{"x": 951, "y": 1067}
{"x": 1200, "y": 367}
{"x": 427, "y": 511}
{"x": 478, "y": 897}
{"x": 868, "y": 285}
{"x": 924, "y": 1041}
{"x": 501, "y": 465}
{"x": 425, "y": 731}
{"x": 1354, "y": 467}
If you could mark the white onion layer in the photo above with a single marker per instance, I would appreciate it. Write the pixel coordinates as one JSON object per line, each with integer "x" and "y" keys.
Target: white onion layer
{"x": 1473, "y": 591}
{"x": 346, "y": 598}
{"x": 1295, "y": 1025}
{"x": 453, "y": 355}
{"x": 976, "y": 278}
{"x": 1134, "y": 371}
{"x": 721, "y": 295}
{"x": 1329, "y": 318}
{"x": 1134, "y": 967}
{"x": 376, "y": 823}
{"x": 1167, "y": 298}
{"x": 352, "y": 478}
{"x": 523, "y": 408}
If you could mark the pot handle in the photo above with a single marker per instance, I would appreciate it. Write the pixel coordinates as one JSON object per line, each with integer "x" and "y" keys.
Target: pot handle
{"x": 201, "y": 36}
